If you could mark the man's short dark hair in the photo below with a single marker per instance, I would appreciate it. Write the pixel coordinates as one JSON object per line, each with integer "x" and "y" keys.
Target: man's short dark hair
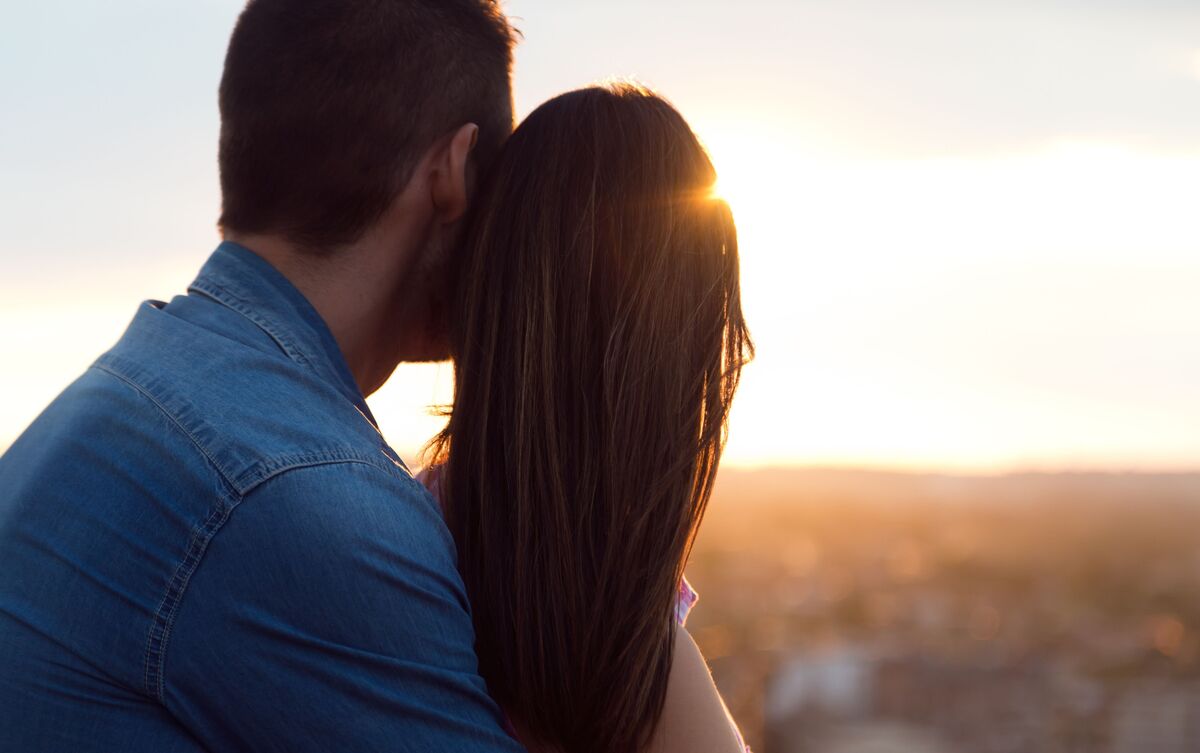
{"x": 326, "y": 106}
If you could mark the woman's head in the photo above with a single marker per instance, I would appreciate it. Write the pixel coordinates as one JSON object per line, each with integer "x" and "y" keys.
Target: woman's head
{"x": 598, "y": 340}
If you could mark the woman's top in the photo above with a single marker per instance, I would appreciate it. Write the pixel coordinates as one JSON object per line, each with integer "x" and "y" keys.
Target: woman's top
{"x": 685, "y": 601}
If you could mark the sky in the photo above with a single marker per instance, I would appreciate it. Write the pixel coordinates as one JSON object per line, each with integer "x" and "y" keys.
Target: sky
{"x": 968, "y": 227}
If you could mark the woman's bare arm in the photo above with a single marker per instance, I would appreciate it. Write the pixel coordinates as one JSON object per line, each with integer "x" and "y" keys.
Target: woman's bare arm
{"x": 694, "y": 719}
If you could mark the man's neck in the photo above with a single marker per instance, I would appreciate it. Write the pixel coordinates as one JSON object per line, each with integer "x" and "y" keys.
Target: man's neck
{"x": 351, "y": 295}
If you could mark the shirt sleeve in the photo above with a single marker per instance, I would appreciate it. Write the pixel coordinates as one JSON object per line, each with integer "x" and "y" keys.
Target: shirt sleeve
{"x": 327, "y": 614}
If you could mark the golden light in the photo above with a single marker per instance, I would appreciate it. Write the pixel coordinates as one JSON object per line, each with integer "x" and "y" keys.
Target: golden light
{"x": 905, "y": 309}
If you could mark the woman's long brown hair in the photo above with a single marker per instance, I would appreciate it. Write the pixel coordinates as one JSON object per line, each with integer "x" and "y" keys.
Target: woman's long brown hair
{"x": 598, "y": 340}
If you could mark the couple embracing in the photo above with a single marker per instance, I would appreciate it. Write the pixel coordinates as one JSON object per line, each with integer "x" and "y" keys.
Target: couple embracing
{"x": 205, "y": 543}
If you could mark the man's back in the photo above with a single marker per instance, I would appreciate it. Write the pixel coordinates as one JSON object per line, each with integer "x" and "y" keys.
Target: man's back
{"x": 205, "y": 544}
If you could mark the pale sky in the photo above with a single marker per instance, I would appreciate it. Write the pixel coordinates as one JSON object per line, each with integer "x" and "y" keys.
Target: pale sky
{"x": 969, "y": 232}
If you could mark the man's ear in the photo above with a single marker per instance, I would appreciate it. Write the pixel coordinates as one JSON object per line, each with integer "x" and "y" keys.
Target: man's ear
{"x": 449, "y": 180}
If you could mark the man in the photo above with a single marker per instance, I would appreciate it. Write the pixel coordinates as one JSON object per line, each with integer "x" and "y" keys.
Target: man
{"x": 205, "y": 544}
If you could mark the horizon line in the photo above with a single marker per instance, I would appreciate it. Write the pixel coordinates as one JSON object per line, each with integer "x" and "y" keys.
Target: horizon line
{"x": 950, "y": 470}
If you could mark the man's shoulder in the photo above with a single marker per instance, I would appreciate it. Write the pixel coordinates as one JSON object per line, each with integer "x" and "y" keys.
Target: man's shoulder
{"x": 343, "y": 552}
{"x": 252, "y": 414}
{"x": 344, "y": 505}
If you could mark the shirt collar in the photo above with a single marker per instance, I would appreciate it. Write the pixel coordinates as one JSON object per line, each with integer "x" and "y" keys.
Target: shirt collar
{"x": 243, "y": 281}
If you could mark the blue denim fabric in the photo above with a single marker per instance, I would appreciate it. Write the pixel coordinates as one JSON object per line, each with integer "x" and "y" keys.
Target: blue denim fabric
{"x": 205, "y": 544}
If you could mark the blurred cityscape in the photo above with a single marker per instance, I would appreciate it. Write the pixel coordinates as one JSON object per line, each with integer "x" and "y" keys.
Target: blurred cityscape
{"x": 861, "y": 612}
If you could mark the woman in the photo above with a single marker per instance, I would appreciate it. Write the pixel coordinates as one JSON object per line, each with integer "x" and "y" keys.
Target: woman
{"x": 598, "y": 343}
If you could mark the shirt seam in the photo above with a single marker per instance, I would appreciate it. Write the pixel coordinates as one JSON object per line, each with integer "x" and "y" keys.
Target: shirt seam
{"x": 261, "y": 473}
{"x": 194, "y": 557}
{"x": 229, "y": 493}
{"x": 164, "y": 617}
{"x": 245, "y": 479}
{"x": 228, "y": 496}
{"x": 223, "y": 295}
{"x": 160, "y": 623}
{"x": 170, "y": 417}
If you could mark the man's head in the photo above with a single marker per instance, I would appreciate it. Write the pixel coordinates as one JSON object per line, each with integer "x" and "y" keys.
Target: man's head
{"x": 350, "y": 130}
{"x": 327, "y": 106}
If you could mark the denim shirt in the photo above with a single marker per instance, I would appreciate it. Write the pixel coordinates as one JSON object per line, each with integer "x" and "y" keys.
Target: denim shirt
{"x": 205, "y": 544}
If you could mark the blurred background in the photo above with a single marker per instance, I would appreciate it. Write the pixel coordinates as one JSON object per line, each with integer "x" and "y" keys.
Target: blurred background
{"x": 958, "y": 509}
